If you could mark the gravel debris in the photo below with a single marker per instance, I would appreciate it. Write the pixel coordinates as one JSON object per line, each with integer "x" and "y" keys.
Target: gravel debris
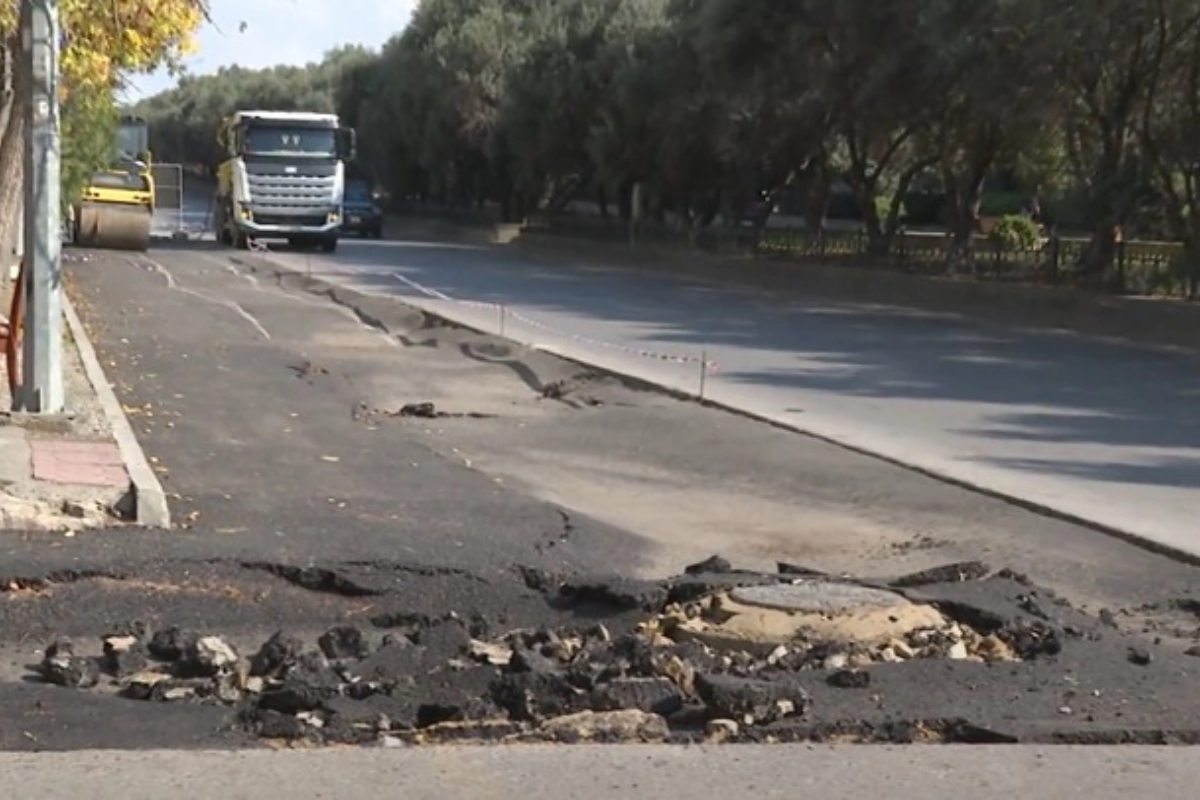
{"x": 677, "y": 660}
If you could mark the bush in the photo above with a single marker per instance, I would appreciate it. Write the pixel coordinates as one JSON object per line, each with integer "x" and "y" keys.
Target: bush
{"x": 1016, "y": 232}
{"x": 1002, "y": 204}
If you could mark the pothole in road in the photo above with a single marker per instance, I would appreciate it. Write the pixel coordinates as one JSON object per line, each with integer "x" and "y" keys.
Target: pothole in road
{"x": 715, "y": 654}
{"x": 833, "y": 625}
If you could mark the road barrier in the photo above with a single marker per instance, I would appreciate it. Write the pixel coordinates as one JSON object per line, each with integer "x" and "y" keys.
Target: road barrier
{"x": 168, "y": 198}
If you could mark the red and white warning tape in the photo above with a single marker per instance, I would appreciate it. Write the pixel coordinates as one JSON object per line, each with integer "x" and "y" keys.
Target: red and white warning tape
{"x": 675, "y": 358}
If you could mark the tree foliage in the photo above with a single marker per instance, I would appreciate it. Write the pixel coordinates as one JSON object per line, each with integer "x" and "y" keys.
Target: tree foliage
{"x": 184, "y": 120}
{"x": 906, "y": 112}
{"x": 89, "y": 127}
{"x": 104, "y": 40}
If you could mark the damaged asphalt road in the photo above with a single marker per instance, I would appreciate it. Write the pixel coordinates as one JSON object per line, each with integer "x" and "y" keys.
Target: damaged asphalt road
{"x": 715, "y": 655}
{"x": 395, "y": 531}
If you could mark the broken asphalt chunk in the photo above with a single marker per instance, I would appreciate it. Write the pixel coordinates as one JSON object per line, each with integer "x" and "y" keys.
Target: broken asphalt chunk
{"x": 143, "y": 685}
{"x": 950, "y": 573}
{"x": 62, "y": 667}
{"x": 713, "y": 565}
{"x": 785, "y": 568}
{"x": 276, "y": 655}
{"x": 306, "y": 687}
{"x": 344, "y": 642}
{"x": 531, "y": 696}
{"x": 275, "y": 725}
{"x": 209, "y": 656}
{"x": 499, "y": 655}
{"x": 172, "y": 643}
{"x": 419, "y": 410}
{"x": 1140, "y": 656}
{"x": 123, "y": 655}
{"x": 652, "y": 695}
{"x": 617, "y": 594}
{"x": 446, "y": 639}
{"x": 751, "y": 701}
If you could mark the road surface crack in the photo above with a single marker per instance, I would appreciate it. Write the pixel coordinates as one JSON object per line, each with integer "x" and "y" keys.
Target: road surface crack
{"x": 314, "y": 579}
{"x": 19, "y": 584}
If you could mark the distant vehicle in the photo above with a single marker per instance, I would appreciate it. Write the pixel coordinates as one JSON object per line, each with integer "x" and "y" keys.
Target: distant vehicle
{"x": 283, "y": 177}
{"x": 117, "y": 206}
{"x": 360, "y": 212}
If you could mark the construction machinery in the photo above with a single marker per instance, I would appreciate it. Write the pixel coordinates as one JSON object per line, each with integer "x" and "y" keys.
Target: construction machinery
{"x": 283, "y": 178}
{"x": 117, "y": 207}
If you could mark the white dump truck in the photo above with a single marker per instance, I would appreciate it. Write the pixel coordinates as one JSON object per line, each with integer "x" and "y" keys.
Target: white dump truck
{"x": 284, "y": 178}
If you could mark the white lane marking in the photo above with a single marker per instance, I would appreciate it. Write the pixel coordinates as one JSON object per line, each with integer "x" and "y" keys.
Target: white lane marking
{"x": 301, "y": 297}
{"x": 231, "y": 305}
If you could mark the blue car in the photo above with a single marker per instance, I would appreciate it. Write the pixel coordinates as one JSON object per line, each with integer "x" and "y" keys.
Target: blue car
{"x": 360, "y": 213}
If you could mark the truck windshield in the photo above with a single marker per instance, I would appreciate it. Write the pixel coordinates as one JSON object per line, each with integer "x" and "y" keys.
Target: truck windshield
{"x": 279, "y": 140}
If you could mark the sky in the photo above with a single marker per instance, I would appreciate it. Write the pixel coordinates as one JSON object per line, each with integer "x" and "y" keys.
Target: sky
{"x": 263, "y": 33}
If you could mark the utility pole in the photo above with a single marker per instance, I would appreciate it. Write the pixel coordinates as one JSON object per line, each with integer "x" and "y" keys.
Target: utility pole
{"x": 42, "y": 384}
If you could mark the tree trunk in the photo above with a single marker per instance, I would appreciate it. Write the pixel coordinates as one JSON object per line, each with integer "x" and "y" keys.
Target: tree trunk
{"x": 963, "y": 199}
{"x": 625, "y": 200}
{"x": 1101, "y": 252}
{"x": 865, "y": 195}
{"x": 818, "y": 196}
{"x": 12, "y": 153}
{"x": 1191, "y": 267}
{"x": 602, "y": 200}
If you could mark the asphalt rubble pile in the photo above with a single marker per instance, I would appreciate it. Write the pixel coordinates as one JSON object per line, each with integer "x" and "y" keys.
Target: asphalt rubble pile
{"x": 715, "y": 654}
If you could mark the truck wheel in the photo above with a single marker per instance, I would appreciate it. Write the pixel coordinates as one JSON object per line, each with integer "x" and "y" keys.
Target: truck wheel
{"x": 329, "y": 244}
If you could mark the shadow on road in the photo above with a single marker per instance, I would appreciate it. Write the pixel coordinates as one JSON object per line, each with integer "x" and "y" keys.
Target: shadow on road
{"x": 1053, "y": 388}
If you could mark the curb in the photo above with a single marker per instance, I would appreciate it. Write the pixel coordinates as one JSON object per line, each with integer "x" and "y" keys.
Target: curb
{"x": 682, "y": 393}
{"x": 149, "y": 499}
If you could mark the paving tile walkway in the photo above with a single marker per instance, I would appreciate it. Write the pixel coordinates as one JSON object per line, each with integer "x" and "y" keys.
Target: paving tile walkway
{"x": 78, "y": 463}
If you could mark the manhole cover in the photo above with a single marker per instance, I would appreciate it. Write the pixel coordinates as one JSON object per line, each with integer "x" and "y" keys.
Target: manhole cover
{"x": 816, "y": 597}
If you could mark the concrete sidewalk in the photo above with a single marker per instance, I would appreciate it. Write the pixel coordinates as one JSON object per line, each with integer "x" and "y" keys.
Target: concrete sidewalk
{"x": 79, "y": 469}
{"x": 598, "y": 771}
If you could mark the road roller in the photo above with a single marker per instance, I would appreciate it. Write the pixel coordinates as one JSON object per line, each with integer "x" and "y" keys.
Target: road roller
{"x": 117, "y": 207}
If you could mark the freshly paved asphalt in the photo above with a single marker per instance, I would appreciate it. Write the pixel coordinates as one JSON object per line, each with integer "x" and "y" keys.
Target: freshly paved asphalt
{"x": 244, "y": 400}
{"x": 1096, "y": 430}
{"x": 248, "y": 410}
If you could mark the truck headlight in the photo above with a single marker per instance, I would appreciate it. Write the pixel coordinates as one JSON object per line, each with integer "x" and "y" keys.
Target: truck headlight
{"x": 244, "y": 212}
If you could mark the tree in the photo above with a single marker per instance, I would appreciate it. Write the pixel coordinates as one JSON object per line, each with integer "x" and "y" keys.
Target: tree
{"x": 105, "y": 38}
{"x": 1113, "y": 59}
{"x": 988, "y": 71}
{"x": 1169, "y": 125}
{"x": 711, "y": 105}
{"x": 89, "y": 125}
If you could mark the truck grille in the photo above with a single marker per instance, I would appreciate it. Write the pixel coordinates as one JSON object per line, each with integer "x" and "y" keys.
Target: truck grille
{"x": 306, "y": 220}
{"x": 285, "y": 193}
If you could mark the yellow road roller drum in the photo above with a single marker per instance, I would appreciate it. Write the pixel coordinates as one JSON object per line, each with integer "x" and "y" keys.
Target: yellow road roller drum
{"x": 116, "y": 210}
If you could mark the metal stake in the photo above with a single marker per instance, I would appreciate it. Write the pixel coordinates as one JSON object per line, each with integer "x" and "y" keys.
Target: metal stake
{"x": 42, "y": 387}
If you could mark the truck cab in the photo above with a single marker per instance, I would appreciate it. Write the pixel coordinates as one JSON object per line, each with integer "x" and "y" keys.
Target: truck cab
{"x": 284, "y": 178}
